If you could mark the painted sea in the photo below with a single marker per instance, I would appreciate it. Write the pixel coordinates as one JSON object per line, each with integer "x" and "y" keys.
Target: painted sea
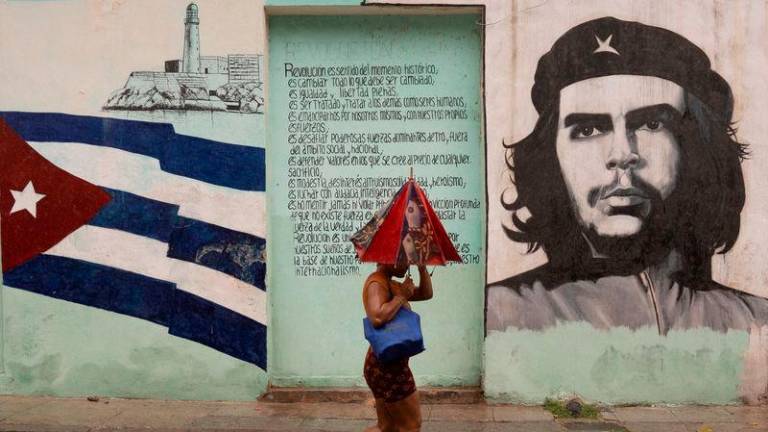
{"x": 229, "y": 127}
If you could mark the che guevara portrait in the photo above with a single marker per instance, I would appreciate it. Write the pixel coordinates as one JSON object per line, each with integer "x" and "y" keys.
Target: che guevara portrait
{"x": 630, "y": 182}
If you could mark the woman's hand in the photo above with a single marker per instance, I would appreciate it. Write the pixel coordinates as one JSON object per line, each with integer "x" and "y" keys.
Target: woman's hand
{"x": 404, "y": 289}
{"x": 425, "y": 285}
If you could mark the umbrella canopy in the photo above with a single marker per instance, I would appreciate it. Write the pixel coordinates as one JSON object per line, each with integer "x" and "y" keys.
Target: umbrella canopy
{"x": 406, "y": 230}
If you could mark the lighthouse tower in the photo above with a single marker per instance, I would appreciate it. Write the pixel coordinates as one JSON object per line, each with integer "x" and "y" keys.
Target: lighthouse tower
{"x": 191, "y": 59}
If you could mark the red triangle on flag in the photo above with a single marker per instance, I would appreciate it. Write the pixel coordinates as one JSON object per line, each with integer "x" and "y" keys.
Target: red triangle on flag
{"x": 40, "y": 204}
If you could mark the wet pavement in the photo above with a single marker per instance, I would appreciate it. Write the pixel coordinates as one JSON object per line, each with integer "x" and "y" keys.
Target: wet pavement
{"x": 78, "y": 414}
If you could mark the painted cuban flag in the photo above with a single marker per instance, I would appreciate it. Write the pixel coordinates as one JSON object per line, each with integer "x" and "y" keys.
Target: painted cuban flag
{"x": 132, "y": 217}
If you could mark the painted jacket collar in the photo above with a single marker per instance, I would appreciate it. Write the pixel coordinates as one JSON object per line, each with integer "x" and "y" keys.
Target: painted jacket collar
{"x": 609, "y": 293}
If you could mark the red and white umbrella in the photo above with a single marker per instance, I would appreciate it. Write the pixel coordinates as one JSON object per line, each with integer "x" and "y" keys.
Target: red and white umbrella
{"x": 405, "y": 231}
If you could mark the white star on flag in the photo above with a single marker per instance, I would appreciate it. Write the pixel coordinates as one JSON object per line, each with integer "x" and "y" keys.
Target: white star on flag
{"x": 26, "y": 199}
{"x": 605, "y": 45}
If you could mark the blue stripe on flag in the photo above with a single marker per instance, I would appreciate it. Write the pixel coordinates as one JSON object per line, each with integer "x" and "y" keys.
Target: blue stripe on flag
{"x": 137, "y": 215}
{"x": 232, "y": 252}
{"x": 236, "y": 166}
{"x": 134, "y": 136}
{"x": 186, "y": 315}
{"x": 224, "y": 330}
{"x": 95, "y": 285}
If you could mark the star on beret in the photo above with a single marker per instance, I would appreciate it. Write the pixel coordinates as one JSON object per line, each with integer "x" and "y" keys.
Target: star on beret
{"x": 604, "y": 45}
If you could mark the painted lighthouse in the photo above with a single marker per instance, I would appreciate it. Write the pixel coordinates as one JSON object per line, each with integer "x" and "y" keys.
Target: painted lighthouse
{"x": 191, "y": 58}
{"x": 231, "y": 83}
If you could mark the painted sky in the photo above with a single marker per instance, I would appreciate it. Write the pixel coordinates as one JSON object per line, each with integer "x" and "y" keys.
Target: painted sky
{"x": 64, "y": 55}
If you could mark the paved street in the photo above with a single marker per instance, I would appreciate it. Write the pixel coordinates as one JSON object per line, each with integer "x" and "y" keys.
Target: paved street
{"x": 58, "y": 414}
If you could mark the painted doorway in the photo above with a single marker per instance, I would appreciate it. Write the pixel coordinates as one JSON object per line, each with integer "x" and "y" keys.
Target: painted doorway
{"x": 355, "y": 102}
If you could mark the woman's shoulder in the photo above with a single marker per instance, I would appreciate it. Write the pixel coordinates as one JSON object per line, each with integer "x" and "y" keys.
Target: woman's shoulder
{"x": 377, "y": 277}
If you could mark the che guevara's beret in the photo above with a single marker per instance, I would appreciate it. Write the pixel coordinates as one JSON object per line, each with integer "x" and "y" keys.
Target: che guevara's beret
{"x": 609, "y": 46}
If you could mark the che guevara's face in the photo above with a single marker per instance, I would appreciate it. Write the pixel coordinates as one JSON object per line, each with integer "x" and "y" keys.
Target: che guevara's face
{"x": 617, "y": 151}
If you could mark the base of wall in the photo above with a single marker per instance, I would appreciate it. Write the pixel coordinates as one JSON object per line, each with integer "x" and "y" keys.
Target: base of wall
{"x": 428, "y": 395}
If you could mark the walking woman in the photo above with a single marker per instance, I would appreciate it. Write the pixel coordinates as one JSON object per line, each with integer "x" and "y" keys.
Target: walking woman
{"x": 392, "y": 384}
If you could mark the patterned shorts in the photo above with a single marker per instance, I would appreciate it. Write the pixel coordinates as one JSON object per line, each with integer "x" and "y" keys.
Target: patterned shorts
{"x": 389, "y": 381}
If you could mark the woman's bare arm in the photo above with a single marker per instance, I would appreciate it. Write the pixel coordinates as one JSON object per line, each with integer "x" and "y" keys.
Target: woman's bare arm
{"x": 378, "y": 307}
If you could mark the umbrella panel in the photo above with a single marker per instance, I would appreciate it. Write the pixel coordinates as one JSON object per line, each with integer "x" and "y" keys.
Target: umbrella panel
{"x": 362, "y": 239}
{"x": 406, "y": 231}
{"x": 440, "y": 236}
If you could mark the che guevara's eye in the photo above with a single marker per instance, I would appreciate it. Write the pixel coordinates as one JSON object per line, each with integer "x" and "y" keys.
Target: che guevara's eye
{"x": 581, "y": 132}
{"x": 586, "y": 131}
{"x": 652, "y": 125}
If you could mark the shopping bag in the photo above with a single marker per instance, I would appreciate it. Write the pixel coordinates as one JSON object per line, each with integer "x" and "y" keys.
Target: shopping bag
{"x": 398, "y": 338}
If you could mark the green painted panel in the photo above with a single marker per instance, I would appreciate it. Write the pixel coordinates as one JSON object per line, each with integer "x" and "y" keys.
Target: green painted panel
{"x": 59, "y": 348}
{"x": 614, "y": 366}
{"x": 337, "y": 82}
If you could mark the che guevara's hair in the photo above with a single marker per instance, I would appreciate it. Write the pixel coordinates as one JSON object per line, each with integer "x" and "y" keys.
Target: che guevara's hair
{"x": 710, "y": 182}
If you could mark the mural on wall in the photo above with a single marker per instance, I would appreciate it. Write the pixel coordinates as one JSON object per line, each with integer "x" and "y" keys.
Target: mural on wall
{"x": 355, "y": 104}
{"x": 134, "y": 217}
{"x": 630, "y": 182}
{"x": 217, "y": 83}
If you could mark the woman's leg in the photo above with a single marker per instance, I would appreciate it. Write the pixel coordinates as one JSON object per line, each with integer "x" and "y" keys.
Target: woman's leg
{"x": 373, "y": 376}
{"x": 406, "y": 413}
{"x": 385, "y": 423}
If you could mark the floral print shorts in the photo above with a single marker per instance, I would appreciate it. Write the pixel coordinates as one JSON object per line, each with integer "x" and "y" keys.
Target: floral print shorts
{"x": 391, "y": 382}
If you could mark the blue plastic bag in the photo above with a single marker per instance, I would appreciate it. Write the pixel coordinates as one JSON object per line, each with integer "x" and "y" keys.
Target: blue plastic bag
{"x": 396, "y": 339}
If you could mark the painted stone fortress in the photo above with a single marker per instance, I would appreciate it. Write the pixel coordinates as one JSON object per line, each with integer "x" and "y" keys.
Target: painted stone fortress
{"x": 212, "y": 83}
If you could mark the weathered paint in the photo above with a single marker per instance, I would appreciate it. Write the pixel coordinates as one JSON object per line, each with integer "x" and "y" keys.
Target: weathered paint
{"x": 60, "y": 348}
{"x": 615, "y": 366}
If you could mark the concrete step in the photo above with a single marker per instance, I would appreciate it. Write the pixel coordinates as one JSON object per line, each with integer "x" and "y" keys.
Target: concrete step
{"x": 429, "y": 395}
